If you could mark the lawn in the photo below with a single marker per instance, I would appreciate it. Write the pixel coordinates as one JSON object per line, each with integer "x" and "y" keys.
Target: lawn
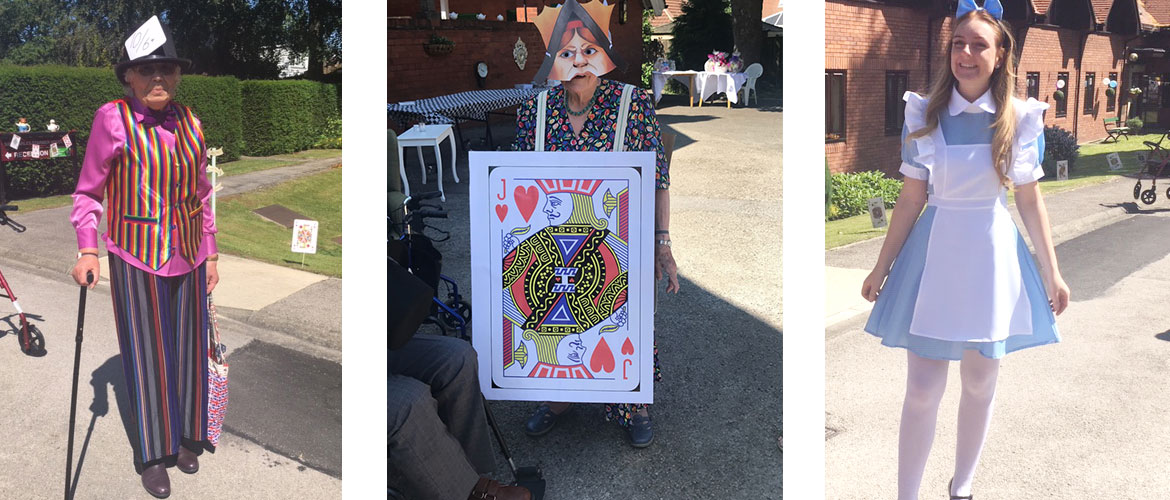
{"x": 318, "y": 197}
{"x": 1090, "y": 169}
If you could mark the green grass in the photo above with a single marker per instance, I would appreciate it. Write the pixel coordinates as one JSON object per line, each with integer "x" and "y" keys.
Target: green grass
{"x": 245, "y": 165}
{"x": 246, "y": 234}
{"x": 311, "y": 154}
{"x": 1091, "y": 168}
{"x": 31, "y": 204}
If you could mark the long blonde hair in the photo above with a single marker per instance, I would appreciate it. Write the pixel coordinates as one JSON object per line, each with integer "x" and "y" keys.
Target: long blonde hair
{"x": 1003, "y": 80}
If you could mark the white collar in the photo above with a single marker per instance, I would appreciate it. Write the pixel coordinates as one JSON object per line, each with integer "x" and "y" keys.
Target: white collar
{"x": 959, "y": 104}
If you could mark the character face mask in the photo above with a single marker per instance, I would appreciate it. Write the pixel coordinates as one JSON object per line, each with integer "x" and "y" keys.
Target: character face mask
{"x": 578, "y": 41}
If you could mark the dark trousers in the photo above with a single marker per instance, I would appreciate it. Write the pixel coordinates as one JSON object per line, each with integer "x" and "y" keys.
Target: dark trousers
{"x": 438, "y": 434}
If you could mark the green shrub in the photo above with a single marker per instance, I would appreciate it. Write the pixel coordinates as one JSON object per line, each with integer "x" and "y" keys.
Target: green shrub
{"x": 330, "y": 138}
{"x": 1135, "y": 125}
{"x": 72, "y": 95}
{"x": 851, "y": 192}
{"x": 287, "y": 116}
{"x": 1059, "y": 144}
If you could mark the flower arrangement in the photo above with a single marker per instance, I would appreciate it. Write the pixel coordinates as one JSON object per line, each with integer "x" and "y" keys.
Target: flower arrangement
{"x": 722, "y": 62}
{"x": 1135, "y": 91}
{"x": 437, "y": 45}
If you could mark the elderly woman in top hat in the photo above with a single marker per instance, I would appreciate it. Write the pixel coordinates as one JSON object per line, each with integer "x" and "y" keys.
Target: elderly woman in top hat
{"x": 146, "y": 159}
{"x": 582, "y": 114}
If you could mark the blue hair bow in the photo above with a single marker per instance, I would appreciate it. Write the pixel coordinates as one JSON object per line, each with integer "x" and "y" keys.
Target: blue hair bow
{"x": 992, "y": 7}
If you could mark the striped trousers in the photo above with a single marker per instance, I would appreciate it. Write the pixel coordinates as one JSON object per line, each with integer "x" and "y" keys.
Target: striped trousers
{"x": 162, "y": 335}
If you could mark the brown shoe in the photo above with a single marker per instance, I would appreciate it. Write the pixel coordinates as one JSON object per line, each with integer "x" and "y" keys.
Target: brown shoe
{"x": 489, "y": 489}
{"x": 188, "y": 461}
{"x": 156, "y": 482}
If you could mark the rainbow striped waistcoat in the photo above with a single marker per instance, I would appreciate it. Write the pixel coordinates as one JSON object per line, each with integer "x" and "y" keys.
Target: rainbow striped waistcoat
{"x": 153, "y": 209}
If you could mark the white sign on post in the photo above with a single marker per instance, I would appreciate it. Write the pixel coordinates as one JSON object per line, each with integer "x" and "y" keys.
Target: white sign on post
{"x": 1114, "y": 161}
{"x": 1062, "y": 170}
{"x": 877, "y": 212}
{"x": 304, "y": 238}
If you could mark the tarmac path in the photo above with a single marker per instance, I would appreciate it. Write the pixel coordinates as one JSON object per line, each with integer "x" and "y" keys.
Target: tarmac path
{"x": 282, "y": 435}
{"x": 718, "y": 409}
{"x": 1084, "y": 418}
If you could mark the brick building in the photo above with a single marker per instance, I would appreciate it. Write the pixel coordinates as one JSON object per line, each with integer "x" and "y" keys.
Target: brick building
{"x": 875, "y": 50}
{"x": 412, "y": 73}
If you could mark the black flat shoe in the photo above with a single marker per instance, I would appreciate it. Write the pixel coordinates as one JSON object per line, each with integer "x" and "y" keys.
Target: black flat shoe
{"x": 187, "y": 461}
{"x": 156, "y": 482}
{"x": 541, "y": 421}
{"x": 954, "y": 497}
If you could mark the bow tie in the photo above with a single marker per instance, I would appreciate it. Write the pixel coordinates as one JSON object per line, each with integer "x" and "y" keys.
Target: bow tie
{"x": 165, "y": 117}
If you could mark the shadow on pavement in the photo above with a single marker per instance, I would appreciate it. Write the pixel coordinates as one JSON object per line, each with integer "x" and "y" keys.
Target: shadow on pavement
{"x": 716, "y": 416}
{"x": 108, "y": 375}
{"x": 1132, "y": 208}
{"x": 1163, "y": 336}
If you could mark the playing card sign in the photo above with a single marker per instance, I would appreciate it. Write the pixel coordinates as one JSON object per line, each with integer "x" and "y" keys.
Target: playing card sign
{"x": 304, "y": 239}
{"x": 562, "y": 273}
{"x": 1062, "y": 170}
{"x": 1114, "y": 160}
{"x": 877, "y": 212}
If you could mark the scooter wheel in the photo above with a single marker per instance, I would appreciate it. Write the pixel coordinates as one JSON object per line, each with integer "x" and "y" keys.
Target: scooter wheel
{"x": 1149, "y": 196}
{"x": 1137, "y": 190}
{"x": 32, "y": 342}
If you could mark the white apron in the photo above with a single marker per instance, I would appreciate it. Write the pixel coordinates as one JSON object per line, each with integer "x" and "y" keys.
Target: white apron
{"x": 971, "y": 289}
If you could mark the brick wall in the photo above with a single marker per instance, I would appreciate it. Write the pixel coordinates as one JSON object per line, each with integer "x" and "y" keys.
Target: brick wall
{"x": 866, "y": 40}
{"x": 413, "y": 74}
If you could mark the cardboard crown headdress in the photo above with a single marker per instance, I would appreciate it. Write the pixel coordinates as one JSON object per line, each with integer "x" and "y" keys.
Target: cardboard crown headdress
{"x": 555, "y": 22}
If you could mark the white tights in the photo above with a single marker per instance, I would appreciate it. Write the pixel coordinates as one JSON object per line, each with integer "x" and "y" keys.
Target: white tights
{"x": 926, "y": 379}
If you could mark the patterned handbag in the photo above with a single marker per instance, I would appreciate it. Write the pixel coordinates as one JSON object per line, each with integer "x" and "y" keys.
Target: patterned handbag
{"x": 217, "y": 379}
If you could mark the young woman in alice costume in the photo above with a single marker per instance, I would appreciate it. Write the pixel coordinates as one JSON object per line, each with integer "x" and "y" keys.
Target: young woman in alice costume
{"x": 964, "y": 286}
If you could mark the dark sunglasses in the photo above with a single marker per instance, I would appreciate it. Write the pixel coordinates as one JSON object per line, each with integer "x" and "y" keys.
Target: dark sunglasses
{"x": 161, "y": 69}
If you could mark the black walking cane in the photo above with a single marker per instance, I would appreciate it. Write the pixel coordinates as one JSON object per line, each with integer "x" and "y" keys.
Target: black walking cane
{"x": 76, "y": 368}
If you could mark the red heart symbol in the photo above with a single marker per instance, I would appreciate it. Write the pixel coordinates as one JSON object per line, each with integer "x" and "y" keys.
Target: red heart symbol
{"x": 628, "y": 347}
{"x": 526, "y": 200}
{"x": 502, "y": 211}
{"x": 602, "y": 359}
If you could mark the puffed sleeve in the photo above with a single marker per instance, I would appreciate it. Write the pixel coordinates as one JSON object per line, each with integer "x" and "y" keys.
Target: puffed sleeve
{"x": 644, "y": 134}
{"x": 107, "y": 136}
{"x": 1029, "y": 147}
{"x": 918, "y": 153}
{"x": 526, "y": 126}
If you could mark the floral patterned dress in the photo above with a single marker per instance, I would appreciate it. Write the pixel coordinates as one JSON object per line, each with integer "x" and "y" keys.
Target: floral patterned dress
{"x": 642, "y": 134}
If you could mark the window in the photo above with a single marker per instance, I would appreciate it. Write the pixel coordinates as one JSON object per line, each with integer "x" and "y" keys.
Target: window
{"x": 895, "y": 106}
{"x": 1062, "y": 103}
{"x": 1090, "y": 91}
{"x": 834, "y": 105}
{"x": 1033, "y": 85}
{"x": 1111, "y": 100}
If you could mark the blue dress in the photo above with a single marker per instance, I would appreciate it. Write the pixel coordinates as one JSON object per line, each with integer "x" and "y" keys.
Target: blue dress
{"x": 964, "y": 278}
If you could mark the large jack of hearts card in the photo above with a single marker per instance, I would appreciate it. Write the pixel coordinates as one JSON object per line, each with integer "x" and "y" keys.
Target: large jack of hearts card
{"x": 562, "y": 274}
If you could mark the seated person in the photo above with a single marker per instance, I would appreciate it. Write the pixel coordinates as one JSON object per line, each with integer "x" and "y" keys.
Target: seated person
{"x": 438, "y": 434}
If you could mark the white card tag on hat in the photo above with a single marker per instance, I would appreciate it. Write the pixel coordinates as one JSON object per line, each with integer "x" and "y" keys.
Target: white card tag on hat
{"x": 15, "y": 142}
{"x": 877, "y": 212}
{"x": 146, "y": 39}
{"x": 1062, "y": 170}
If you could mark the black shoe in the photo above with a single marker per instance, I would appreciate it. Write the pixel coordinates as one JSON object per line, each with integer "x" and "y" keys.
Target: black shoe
{"x": 156, "y": 482}
{"x": 541, "y": 421}
{"x": 188, "y": 461}
{"x": 641, "y": 433}
{"x": 954, "y": 497}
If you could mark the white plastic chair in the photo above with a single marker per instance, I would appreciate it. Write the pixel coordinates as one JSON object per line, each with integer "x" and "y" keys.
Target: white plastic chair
{"x": 749, "y": 87}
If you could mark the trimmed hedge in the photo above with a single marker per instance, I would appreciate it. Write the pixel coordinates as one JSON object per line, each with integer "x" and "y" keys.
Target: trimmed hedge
{"x": 851, "y": 192}
{"x": 287, "y": 116}
{"x": 71, "y": 95}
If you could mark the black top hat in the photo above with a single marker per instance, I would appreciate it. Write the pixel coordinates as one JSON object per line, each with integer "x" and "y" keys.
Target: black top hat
{"x": 164, "y": 53}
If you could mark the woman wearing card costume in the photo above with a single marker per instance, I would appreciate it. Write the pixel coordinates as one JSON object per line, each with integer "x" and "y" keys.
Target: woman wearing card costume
{"x": 964, "y": 285}
{"x": 588, "y": 113}
{"x": 146, "y": 158}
